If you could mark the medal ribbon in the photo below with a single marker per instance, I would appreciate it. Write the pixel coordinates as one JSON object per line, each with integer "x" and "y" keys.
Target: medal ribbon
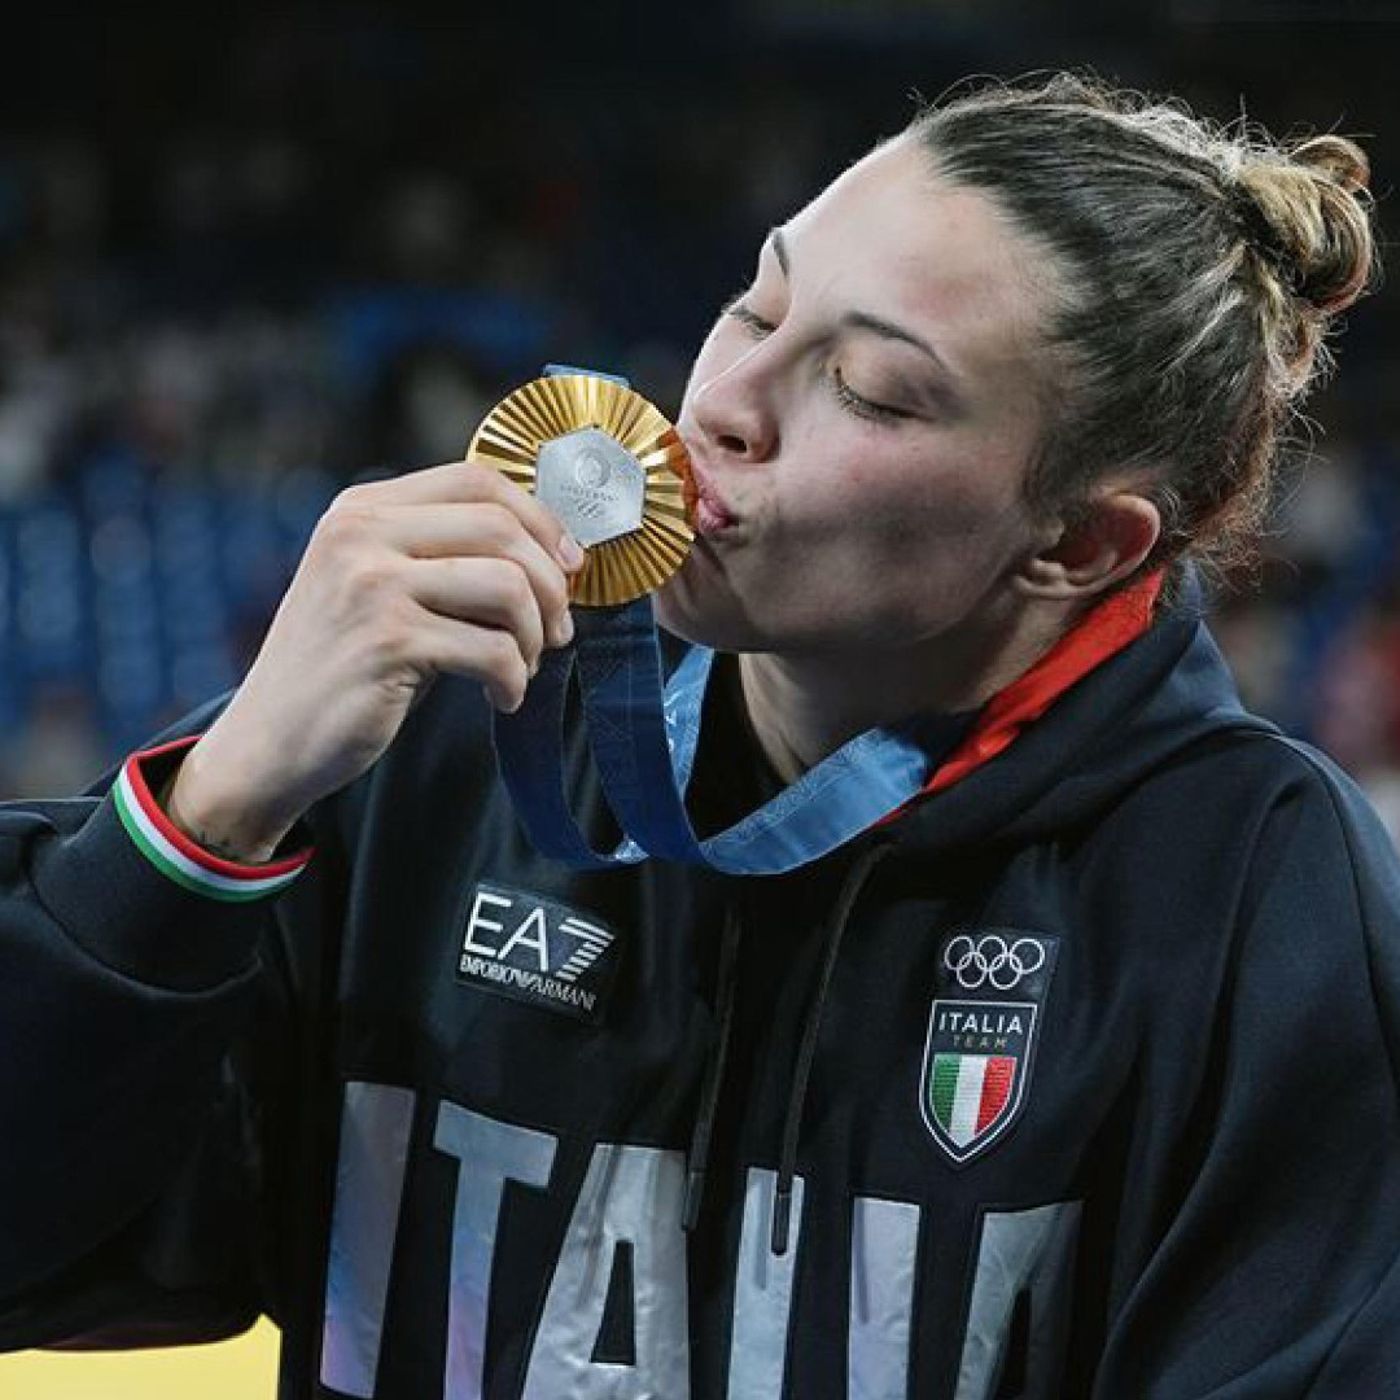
{"x": 644, "y": 737}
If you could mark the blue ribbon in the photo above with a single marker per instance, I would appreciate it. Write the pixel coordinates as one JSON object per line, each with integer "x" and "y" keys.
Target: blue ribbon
{"x": 644, "y": 738}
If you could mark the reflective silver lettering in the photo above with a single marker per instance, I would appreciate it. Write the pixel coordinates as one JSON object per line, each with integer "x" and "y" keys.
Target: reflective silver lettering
{"x": 490, "y": 1153}
{"x": 375, "y": 1122}
{"x": 631, "y": 1194}
{"x": 884, "y": 1254}
{"x": 762, "y": 1292}
{"x": 1031, "y": 1250}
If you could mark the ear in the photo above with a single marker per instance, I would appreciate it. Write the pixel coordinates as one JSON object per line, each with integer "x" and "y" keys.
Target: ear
{"x": 1093, "y": 550}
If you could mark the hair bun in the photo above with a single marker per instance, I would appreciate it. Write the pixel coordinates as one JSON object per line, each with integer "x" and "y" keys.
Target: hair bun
{"x": 1342, "y": 161}
{"x": 1314, "y": 205}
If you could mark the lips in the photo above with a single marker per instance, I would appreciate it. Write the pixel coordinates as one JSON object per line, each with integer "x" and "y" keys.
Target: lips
{"x": 709, "y": 510}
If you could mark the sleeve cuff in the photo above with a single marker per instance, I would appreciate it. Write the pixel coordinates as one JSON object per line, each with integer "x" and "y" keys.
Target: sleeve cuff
{"x": 178, "y": 858}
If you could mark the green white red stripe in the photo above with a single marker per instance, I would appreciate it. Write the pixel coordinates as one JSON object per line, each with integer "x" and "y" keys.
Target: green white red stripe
{"x": 970, "y": 1092}
{"x": 182, "y": 860}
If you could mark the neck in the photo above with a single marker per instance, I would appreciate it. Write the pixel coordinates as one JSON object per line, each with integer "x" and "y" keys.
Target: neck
{"x": 803, "y": 707}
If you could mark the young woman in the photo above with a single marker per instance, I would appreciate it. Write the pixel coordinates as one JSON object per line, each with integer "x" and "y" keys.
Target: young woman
{"x": 1073, "y": 1076}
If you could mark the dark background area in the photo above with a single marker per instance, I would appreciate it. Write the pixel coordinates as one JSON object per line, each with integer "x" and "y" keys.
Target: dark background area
{"x": 248, "y": 256}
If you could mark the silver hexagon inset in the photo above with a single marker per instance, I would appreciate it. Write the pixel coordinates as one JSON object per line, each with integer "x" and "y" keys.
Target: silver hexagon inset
{"x": 593, "y": 484}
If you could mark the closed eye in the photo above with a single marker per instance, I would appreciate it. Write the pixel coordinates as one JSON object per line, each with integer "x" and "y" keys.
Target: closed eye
{"x": 859, "y": 405}
{"x": 853, "y": 403}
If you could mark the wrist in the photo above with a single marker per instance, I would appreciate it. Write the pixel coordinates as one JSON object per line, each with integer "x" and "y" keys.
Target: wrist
{"x": 228, "y": 817}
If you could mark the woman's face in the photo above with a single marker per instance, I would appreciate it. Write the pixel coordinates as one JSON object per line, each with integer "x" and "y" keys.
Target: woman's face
{"x": 861, "y": 422}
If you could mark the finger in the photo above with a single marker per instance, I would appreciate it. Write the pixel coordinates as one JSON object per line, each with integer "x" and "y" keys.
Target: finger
{"x": 494, "y": 593}
{"x": 467, "y": 483}
{"x": 487, "y": 530}
{"x": 486, "y": 654}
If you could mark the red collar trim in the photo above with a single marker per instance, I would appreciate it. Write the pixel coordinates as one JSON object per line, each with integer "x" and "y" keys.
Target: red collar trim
{"x": 1101, "y": 633}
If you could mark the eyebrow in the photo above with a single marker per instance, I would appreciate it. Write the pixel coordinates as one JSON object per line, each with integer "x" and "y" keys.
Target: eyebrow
{"x": 863, "y": 320}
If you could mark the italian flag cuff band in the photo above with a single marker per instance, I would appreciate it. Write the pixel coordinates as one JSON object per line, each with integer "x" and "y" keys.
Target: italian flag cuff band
{"x": 182, "y": 860}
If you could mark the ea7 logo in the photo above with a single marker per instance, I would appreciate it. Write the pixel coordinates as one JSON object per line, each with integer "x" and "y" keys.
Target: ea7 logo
{"x": 536, "y": 950}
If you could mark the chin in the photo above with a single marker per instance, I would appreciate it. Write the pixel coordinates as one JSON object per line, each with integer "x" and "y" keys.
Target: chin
{"x": 682, "y": 621}
{"x": 705, "y": 619}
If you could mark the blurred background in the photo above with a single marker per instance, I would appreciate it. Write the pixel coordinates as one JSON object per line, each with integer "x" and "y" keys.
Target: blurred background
{"x": 249, "y": 255}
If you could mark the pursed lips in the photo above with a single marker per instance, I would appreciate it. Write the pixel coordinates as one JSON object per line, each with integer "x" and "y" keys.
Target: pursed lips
{"x": 712, "y": 511}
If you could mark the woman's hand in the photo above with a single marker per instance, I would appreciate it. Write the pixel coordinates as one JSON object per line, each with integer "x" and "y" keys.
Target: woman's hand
{"x": 453, "y": 569}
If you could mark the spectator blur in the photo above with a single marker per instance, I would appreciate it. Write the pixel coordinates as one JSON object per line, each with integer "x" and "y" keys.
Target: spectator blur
{"x": 324, "y": 256}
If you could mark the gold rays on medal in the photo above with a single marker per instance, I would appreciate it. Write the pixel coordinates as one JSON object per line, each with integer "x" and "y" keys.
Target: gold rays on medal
{"x": 619, "y": 570}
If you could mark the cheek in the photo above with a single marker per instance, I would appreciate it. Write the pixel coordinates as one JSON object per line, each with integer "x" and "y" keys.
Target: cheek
{"x": 872, "y": 494}
{"x": 965, "y": 495}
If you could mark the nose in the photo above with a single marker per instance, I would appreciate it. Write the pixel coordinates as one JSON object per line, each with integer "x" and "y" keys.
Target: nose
{"x": 734, "y": 417}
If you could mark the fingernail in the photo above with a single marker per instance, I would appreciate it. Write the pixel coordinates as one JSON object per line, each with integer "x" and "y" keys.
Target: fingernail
{"x": 570, "y": 552}
{"x": 566, "y": 628}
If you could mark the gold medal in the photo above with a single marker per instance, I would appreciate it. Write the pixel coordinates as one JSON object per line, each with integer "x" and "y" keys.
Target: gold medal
{"x": 607, "y": 462}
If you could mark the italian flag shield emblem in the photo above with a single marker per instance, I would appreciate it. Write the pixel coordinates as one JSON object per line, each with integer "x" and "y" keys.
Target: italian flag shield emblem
{"x": 970, "y": 1092}
{"x": 976, "y": 1062}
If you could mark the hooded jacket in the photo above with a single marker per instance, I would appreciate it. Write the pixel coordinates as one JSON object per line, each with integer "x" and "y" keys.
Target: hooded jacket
{"x": 1076, "y": 1078}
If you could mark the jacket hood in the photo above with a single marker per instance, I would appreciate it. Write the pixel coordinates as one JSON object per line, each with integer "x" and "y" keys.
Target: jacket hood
{"x": 1163, "y": 691}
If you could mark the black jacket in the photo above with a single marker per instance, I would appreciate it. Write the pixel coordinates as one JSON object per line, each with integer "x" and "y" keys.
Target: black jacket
{"x": 1079, "y": 1079}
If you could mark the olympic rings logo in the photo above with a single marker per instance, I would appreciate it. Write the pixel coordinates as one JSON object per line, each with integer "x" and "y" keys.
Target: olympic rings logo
{"x": 991, "y": 961}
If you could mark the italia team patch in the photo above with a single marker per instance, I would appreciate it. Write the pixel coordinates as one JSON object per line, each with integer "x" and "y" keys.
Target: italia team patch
{"x": 980, "y": 1047}
{"x": 538, "y": 951}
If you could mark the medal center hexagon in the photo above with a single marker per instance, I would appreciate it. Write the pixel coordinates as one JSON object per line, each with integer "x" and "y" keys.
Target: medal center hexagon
{"x": 593, "y": 484}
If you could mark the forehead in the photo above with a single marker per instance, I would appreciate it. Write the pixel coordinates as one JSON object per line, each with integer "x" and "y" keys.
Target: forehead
{"x": 893, "y": 238}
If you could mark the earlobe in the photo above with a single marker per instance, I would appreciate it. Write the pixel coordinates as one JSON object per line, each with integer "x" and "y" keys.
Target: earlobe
{"x": 1096, "y": 549}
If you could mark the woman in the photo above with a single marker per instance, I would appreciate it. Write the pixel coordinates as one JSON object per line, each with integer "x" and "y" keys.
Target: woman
{"x": 1073, "y": 1076}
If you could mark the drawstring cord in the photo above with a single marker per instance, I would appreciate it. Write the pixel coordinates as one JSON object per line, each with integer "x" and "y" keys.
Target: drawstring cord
{"x": 697, "y": 1160}
{"x": 807, "y": 1051}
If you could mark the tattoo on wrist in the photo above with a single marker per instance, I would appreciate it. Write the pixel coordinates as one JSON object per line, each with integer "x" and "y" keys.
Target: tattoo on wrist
{"x": 206, "y": 840}
{"x": 215, "y": 847}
